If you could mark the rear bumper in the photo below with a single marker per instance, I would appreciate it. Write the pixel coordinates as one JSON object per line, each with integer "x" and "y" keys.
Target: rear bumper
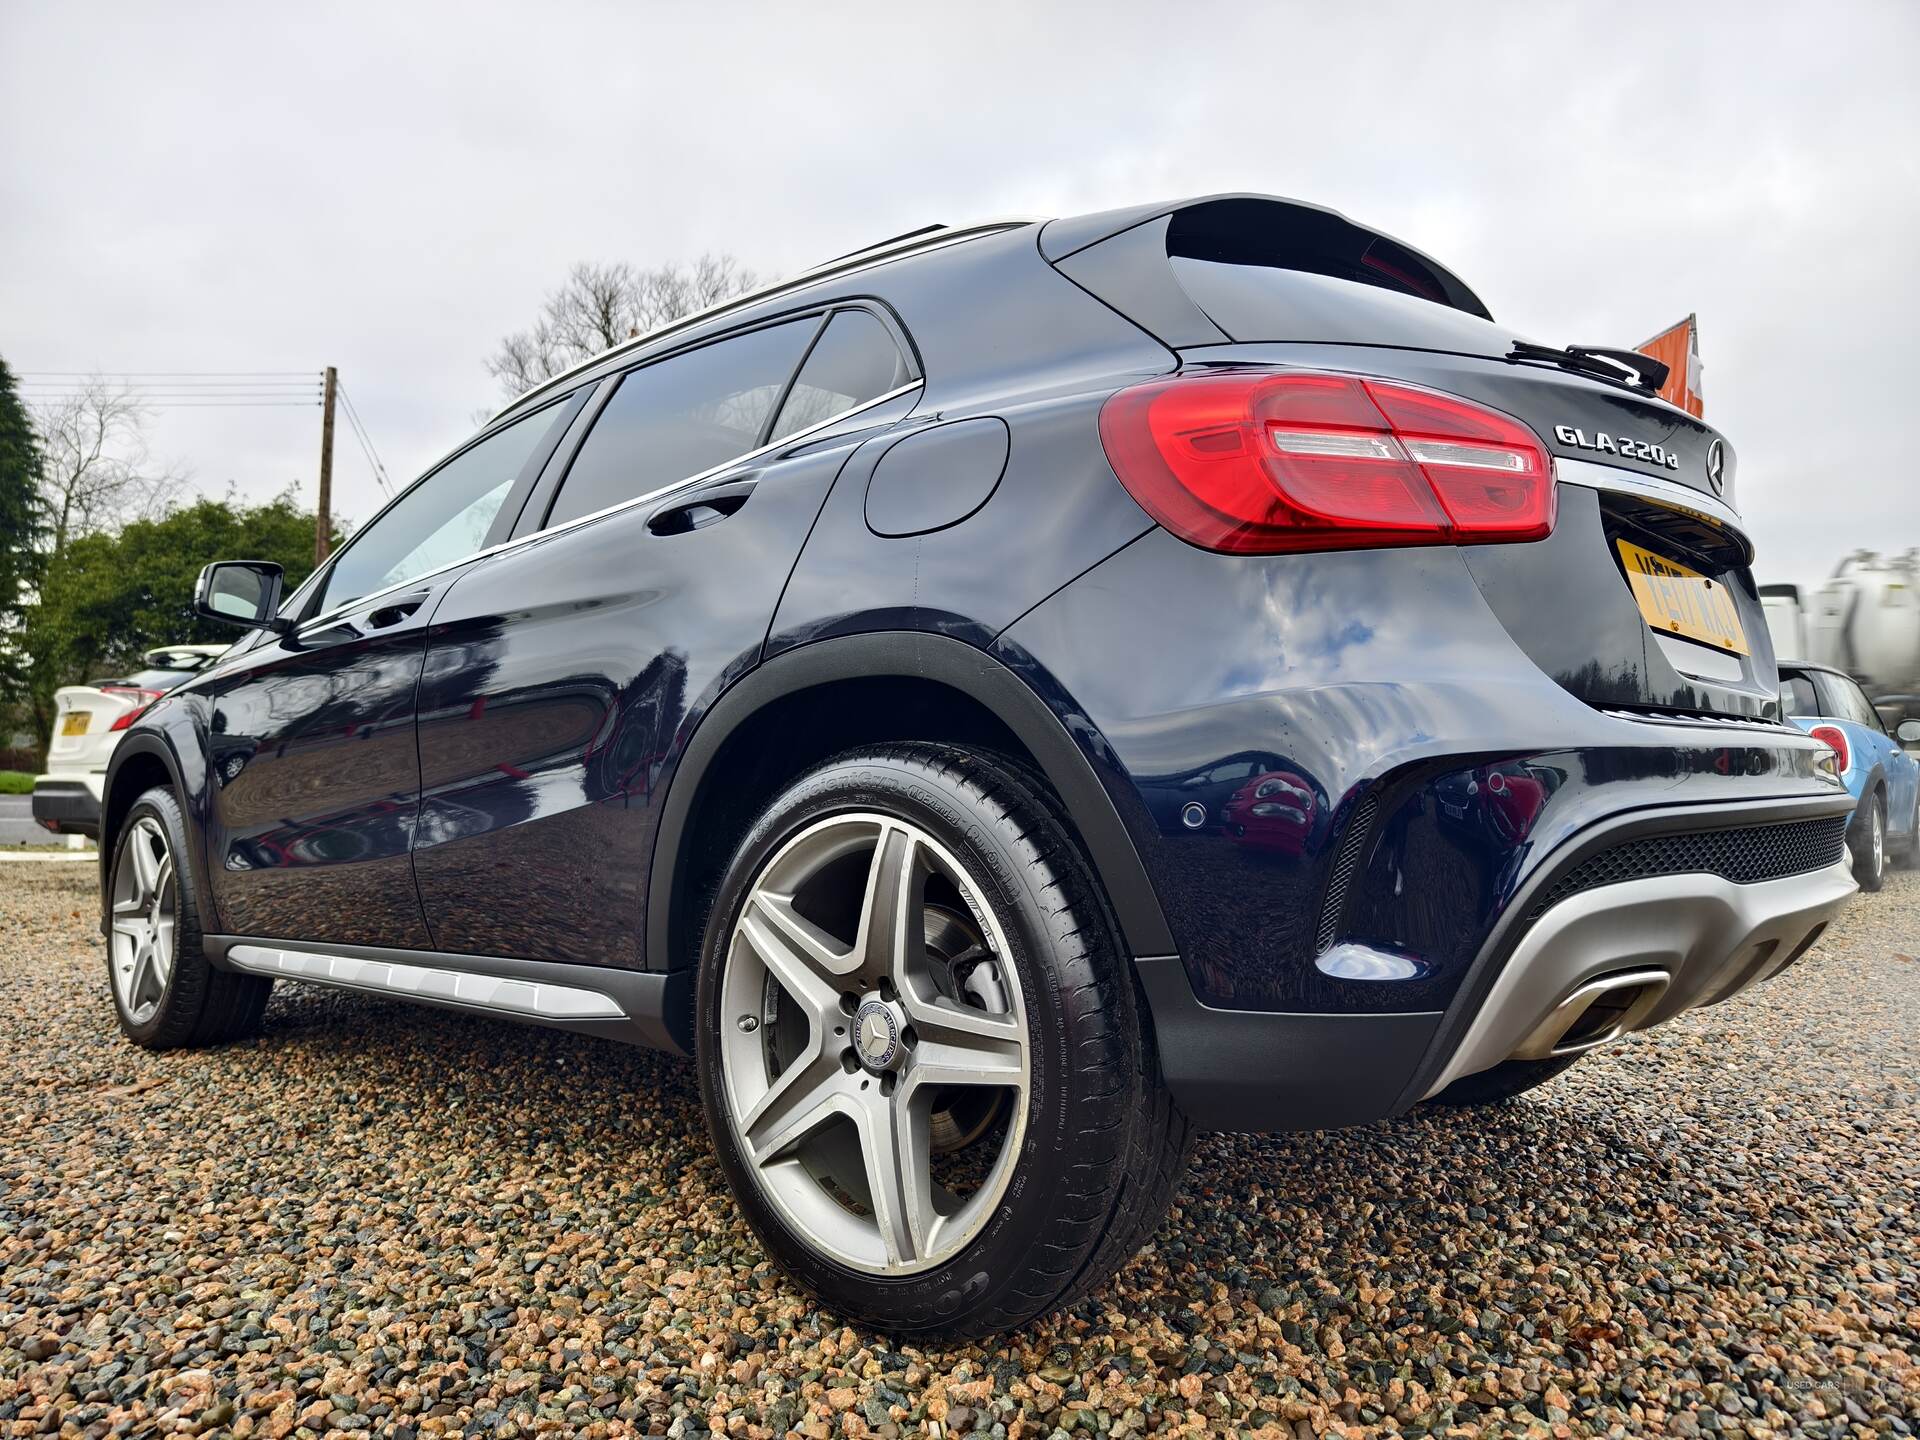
{"x": 1666, "y": 944}
{"x": 68, "y": 804}
{"x": 1571, "y": 966}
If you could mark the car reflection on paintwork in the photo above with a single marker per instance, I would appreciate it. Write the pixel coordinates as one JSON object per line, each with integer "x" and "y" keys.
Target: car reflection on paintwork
{"x": 1506, "y": 798}
{"x": 1275, "y": 810}
{"x": 1170, "y": 797}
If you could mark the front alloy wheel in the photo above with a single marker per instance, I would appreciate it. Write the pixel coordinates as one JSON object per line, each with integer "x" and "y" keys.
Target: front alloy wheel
{"x": 166, "y": 992}
{"x": 145, "y": 905}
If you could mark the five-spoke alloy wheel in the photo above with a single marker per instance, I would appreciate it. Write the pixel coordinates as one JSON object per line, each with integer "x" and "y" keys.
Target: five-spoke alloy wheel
{"x": 859, "y": 1048}
{"x": 145, "y": 902}
{"x": 165, "y": 990}
{"x": 921, "y": 1050}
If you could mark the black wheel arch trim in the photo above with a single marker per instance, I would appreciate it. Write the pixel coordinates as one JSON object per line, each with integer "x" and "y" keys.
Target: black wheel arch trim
{"x": 1514, "y": 921}
{"x": 151, "y": 740}
{"x": 915, "y": 655}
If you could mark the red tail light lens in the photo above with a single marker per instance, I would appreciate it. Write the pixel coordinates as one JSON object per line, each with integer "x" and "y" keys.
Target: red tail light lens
{"x": 1835, "y": 739}
{"x": 1255, "y": 462}
{"x": 142, "y": 702}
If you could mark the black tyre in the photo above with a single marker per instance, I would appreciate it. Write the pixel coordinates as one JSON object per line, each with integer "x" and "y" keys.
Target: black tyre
{"x": 1910, "y": 857}
{"x": 1867, "y": 838}
{"x": 922, "y": 1051}
{"x": 166, "y": 994}
{"x": 1504, "y": 1081}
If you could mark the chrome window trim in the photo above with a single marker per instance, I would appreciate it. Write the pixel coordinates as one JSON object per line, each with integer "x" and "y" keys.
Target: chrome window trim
{"x": 834, "y": 269}
{"x": 1671, "y": 494}
{"x": 413, "y": 581}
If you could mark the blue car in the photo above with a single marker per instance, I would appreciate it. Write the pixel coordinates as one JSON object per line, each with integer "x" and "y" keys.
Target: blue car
{"x": 1884, "y": 778}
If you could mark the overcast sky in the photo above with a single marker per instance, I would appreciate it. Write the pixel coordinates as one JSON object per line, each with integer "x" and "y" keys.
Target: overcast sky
{"x": 389, "y": 188}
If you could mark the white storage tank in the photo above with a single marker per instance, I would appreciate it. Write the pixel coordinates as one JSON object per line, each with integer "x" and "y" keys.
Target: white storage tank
{"x": 1866, "y": 620}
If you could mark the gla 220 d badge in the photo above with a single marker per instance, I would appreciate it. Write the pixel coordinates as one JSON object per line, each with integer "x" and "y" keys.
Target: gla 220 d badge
{"x": 1607, "y": 444}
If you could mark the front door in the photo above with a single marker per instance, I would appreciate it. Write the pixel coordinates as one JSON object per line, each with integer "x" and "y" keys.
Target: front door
{"x": 560, "y": 671}
{"x": 316, "y": 774}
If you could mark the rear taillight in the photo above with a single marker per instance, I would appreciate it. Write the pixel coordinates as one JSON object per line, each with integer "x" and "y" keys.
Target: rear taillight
{"x": 142, "y": 701}
{"x": 1260, "y": 462}
{"x": 1835, "y": 739}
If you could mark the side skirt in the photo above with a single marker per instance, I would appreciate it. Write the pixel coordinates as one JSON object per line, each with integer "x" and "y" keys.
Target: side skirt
{"x": 626, "y": 1005}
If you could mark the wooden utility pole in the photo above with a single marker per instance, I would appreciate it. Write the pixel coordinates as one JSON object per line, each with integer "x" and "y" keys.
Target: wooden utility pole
{"x": 323, "y": 515}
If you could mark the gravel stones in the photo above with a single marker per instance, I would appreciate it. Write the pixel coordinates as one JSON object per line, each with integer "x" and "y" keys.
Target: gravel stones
{"x": 383, "y": 1220}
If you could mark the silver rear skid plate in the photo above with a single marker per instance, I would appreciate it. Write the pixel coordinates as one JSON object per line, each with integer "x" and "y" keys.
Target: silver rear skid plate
{"x": 1619, "y": 958}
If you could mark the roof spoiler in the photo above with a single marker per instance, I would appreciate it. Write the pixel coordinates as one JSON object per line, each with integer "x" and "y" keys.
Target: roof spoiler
{"x": 1421, "y": 273}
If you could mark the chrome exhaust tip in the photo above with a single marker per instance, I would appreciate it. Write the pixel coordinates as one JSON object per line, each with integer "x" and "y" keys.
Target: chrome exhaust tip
{"x": 1593, "y": 1014}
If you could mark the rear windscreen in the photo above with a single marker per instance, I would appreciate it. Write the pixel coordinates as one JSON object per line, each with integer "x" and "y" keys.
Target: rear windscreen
{"x": 1266, "y": 272}
{"x": 144, "y": 680}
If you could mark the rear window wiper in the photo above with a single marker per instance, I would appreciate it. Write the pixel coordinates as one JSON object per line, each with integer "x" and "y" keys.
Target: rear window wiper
{"x": 1624, "y": 367}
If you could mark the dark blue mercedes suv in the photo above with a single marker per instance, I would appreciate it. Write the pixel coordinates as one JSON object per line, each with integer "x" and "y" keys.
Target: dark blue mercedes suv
{"x": 1000, "y": 702}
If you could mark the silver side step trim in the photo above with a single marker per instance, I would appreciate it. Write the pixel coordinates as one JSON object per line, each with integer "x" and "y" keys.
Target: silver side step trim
{"x": 1708, "y": 937}
{"x": 530, "y": 999}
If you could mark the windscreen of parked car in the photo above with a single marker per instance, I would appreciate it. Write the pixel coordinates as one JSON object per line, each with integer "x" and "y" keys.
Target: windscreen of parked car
{"x": 853, "y": 362}
{"x": 442, "y": 519}
{"x": 1797, "y": 696}
{"x": 682, "y": 415}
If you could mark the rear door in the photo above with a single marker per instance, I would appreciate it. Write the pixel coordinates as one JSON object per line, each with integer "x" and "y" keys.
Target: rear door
{"x": 316, "y": 778}
{"x": 560, "y": 671}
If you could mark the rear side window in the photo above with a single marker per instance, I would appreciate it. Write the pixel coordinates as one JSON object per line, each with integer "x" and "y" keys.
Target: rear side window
{"x": 1852, "y": 703}
{"x": 680, "y": 416}
{"x": 1797, "y": 697}
{"x": 854, "y": 362}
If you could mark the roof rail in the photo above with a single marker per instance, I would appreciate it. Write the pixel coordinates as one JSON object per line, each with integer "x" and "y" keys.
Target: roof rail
{"x": 929, "y": 238}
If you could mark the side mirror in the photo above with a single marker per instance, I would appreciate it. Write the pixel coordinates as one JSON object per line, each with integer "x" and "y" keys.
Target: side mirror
{"x": 1909, "y": 732}
{"x": 240, "y": 592}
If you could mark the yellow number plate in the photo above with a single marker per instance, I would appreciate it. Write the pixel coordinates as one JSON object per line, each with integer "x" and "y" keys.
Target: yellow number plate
{"x": 76, "y": 722}
{"x": 1683, "y": 602}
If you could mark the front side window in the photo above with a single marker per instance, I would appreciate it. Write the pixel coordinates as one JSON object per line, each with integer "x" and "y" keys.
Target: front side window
{"x": 855, "y": 361}
{"x": 444, "y": 518}
{"x": 680, "y": 416}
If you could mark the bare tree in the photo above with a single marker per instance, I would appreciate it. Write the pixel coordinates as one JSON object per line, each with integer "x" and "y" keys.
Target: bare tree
{"x": 96, "y": 471}
{"x": 601, "y": 306}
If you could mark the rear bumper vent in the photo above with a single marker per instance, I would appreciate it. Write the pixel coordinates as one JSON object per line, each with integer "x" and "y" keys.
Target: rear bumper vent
{"x": 1340, "y": 878}
{"x": 1745, "y": 855}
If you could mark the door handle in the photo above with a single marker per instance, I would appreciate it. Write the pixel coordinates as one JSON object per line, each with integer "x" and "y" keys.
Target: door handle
{"x": 395, "y": 611}
{"x": 701, "y": 508}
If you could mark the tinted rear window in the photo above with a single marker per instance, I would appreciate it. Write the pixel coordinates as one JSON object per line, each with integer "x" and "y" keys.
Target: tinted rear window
{"x": 146, "y": 679}
{"x": 1265, "y": 272}
{"x": 1797, "y": 697}
{"x": 682, "y": 415}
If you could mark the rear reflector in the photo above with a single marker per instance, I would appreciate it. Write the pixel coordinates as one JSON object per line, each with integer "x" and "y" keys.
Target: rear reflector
{"x": 1259, "y": 462}
{"x": 1835, "y": 739}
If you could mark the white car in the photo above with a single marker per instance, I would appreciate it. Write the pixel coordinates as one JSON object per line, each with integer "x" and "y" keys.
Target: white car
{"x": 88, "y": 721}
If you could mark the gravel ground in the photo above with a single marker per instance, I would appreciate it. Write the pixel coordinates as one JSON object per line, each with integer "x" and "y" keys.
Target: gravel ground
{"x": 379, "y": 1219}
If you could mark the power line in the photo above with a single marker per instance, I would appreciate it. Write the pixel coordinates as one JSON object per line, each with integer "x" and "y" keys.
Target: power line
{"x": 313, "y": 375}
{"x": 359, "y": 429}
{"x": 210, "y": 403}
